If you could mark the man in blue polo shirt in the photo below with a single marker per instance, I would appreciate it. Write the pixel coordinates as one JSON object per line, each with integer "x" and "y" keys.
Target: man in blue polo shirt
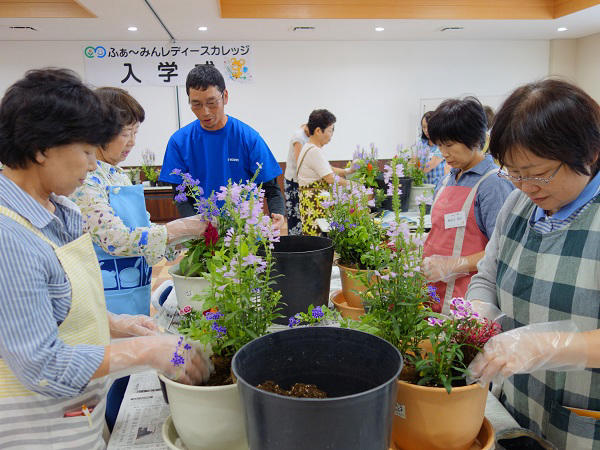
{"x": 217, "y": 148}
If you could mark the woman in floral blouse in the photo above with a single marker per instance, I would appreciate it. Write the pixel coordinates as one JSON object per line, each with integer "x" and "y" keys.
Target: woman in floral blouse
{"x": 127, "y": 244}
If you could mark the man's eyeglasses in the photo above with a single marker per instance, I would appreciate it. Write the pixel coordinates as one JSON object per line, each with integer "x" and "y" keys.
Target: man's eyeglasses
{"x": 211, "y": 104}
{"x": 539, "y": 181}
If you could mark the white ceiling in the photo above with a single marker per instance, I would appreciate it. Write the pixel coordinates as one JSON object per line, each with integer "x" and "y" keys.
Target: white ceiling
{"x": 183, "y": 17}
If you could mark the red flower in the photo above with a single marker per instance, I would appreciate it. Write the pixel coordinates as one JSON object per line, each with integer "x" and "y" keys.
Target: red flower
{"x": 390, "y": 307}
{"x": 211, "y": 235}
{"x": 211, "y": 310}
{"x": 369, "y": 167}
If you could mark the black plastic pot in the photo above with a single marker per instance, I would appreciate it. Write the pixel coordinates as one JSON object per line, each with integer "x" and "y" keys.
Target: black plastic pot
{"x": 405, "y": 186}
{"x": 358, "y": 371}
{"x": 305, "y": 265}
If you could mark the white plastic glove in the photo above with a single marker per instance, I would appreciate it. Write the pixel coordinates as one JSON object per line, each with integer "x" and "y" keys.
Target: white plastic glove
{"x": 540, "y": 346}
{"x": 125, "y": 325}
{"x": 444, "y": 268}
{"x": 487, "y": 310}
{"x": 158, "y": 352}
{"x": 184, "y": 229}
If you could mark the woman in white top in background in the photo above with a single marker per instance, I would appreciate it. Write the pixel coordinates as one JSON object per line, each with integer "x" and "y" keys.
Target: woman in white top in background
{"x": 315, "y": 174}
{"x": 292, "y": 212}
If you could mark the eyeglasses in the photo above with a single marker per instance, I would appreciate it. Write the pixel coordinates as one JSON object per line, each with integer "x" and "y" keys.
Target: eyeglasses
{"x": 211, "y": 104}
{"x": 531, "y": 180}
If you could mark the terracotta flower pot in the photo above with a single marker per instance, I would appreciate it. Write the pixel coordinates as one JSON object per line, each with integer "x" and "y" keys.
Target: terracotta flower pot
{"x": 351, "y": 287}
{"x": 354, "y": 313}
{"x": 428, "y": 418}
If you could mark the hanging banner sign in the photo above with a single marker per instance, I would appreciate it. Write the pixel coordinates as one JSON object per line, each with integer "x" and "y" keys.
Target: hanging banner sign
{"x": 162, "y": 63}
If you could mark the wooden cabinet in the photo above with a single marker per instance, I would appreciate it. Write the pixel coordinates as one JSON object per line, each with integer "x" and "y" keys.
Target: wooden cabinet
{"x": 160, "y": 204}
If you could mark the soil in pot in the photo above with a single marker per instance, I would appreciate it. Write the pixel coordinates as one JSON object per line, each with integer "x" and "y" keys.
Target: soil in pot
{"x": 222, "y": 374}
{"x": 299, "y": 390}
{"x": 358, "y": 372}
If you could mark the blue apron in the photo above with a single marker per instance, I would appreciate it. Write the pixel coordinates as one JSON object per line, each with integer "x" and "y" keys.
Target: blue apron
{"x": 127, "y": 279}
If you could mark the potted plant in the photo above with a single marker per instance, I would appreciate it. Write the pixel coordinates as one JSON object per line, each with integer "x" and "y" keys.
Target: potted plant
{"x": 413, "y": 168}
{"x": 354, "y": 233}
{"x": 188, "y": 275}
{"x": 150, "y": 173}
{"x": 240, "y": 306}
{"x": 367, "y": 173}
{"x": 401, "y": 308}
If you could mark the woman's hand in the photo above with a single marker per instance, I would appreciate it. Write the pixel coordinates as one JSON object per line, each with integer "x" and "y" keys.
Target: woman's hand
{"x": 444, "y": 268}
{"x": 125, "y": 325}
{"x": 190, "y": 366}
{"x": 181, "y": 230}
{"x": 539, "y": 346}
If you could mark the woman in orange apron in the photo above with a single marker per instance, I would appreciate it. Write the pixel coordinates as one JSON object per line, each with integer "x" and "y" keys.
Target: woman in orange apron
{"x": 466, "y": 201}
{"x": 55, "y": 333}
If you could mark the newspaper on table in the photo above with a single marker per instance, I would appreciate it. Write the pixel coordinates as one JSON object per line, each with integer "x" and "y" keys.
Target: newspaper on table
{"x": 141, "y": 416}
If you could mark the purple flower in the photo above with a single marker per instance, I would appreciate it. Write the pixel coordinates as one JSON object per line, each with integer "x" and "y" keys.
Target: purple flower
{"x": 176, "y": 172}
{"x": 293, "y": 322}
{"x": 181, "y": 197}
{"x": 317, "y": 313}
{"x": 213, "y": 315}
{"x": 221, "y": 330}
{"x": 251, "y": 260}
{"x": 177, "y": 360}
{"x": 433, "y": 321}
{"x": 187, "y": 347}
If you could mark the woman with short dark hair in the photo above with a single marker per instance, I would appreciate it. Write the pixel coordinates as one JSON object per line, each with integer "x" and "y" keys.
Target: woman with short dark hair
{"x": 314, "y": 172}
{"x": 114, "y": 213}
{"x": 466, "y": 200}
{"x": 541, "y": 266}
{"x": 55, "y": 332}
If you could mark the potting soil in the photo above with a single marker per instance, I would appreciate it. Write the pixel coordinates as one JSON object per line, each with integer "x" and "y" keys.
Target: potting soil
{"x": 299, "y": 390}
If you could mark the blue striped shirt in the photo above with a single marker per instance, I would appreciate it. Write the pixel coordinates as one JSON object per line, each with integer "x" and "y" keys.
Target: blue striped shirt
{"x": 543, "y": 223}
{"x": 425, "y": 152}
{"x": 35, "y": 297}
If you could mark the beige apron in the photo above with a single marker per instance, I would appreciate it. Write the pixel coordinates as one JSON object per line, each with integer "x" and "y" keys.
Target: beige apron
{"x": 29, "y": 420}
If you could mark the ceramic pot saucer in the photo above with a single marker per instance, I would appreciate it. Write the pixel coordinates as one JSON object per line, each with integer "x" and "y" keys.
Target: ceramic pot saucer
{"x": 483, "y": 441}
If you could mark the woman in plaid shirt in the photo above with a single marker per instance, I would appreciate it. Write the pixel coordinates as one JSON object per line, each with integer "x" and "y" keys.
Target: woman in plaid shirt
{"x": 541, "y": 265}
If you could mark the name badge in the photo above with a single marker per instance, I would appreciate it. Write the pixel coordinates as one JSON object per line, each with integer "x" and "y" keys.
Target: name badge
{"x": 455, "y": 220}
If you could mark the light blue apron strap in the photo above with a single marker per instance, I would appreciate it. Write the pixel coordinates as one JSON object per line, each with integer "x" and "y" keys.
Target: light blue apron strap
{"x": 129, "y": 204}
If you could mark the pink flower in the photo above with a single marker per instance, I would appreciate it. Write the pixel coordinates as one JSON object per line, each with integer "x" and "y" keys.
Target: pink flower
{"x": 185, "y": 310}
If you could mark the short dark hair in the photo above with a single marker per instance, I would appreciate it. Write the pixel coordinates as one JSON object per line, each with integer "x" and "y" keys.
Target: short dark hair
{"x": 128, "y": 108}
{"x": 459, "y": 120}
{"x": 49, "y": 108}
{"x": 426, "y": 116}
{"x": 552, "y": 119}
{"x": 319, "y": 118}
{"x": 202, "y": 76}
